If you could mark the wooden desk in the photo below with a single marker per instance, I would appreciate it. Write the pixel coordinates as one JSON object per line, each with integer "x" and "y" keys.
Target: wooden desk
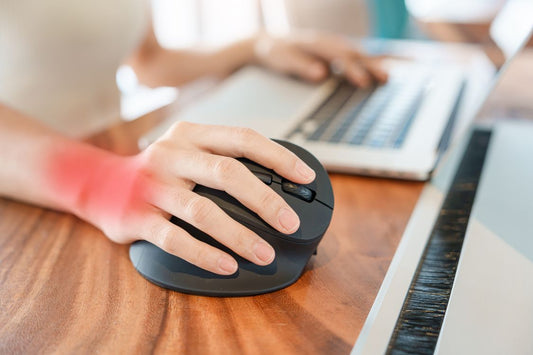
{"x": 64, "y": 287}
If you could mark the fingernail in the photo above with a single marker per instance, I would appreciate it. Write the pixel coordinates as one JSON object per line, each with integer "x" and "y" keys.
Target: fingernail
{"x": 264, "y": 252}
{"x": 227, "y": 265}
{"x": 304, "y": 170}
{"x": 288, "y": 220}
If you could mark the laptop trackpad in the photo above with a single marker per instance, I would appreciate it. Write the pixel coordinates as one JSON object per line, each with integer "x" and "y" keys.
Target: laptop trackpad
{"x": 255, "y": 98}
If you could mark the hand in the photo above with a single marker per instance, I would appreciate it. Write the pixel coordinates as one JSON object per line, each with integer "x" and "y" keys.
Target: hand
{"x": 311, "y": 55}
{"x": 158, "y": 183}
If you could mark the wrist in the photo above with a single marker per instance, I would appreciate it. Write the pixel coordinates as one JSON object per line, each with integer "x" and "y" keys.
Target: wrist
{"x": 235, "y": 56}
{"x": 260, "y": 46}
{"x": 91, "y": 183}
{"x": 251, "y": 44}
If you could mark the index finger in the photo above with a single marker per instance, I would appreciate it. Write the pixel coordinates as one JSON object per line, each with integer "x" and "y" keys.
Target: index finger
{"x": 247, "y": 143}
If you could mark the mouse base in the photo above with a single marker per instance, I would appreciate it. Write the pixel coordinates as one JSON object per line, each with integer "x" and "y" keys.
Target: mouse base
{"x": 171, "y": 272}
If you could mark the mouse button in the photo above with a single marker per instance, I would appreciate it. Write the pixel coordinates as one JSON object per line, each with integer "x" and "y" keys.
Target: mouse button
{"x": 253, "y": 166}
{"x": 324, "y": 193}
{"x": 266, "y": 178}
{"x": 233, "y": 207}
{"x": 321, "y": 185}
{"x": 314, "y": 216}
{"x": 276, "y": 178}
{"x": 264, "y": 174}
{"x": 314, "y": 219}
{"x": 301, "y": 191}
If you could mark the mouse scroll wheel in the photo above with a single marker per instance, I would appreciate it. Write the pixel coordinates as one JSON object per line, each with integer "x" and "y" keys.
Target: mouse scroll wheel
{"x": 299, "y": 191}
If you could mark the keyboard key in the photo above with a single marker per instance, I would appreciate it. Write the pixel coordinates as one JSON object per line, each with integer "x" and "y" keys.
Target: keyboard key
{"x": 377, "y": 118}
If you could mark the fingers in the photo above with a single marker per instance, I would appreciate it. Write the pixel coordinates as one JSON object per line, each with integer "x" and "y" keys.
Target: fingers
{"x": 356, "y": 73}
{"x": 176, "y": 241}
{"x": 307, "y": 54}
{"x": 359, "y": 69}
{"x": 374, "y": 67}
{"x": 306, "y": 66}
{"x": 285, "y": 57}
{"x": 246, "y": 143}
{"x": 205, "y": 215}
{"x": 227, "y": 174}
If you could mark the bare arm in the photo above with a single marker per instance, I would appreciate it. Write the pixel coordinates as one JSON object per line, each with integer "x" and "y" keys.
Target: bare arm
{"x": 308, "y": 55}
{"x": 27, "y": 149}
{"x": 131, "y": 198}
{"x": 157, "y": 66}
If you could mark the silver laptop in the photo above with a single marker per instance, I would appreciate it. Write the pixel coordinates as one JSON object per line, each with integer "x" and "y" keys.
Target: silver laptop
{"x": 476, "y": 213}
{"x": 489, "y": 307}
{"x": 394, "y": 130}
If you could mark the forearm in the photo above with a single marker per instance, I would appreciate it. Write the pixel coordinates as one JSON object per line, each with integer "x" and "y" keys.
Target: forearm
{"x": 43, "y": 167}
{"x": 156, "y": 66}
{"x": 132, "y": 198}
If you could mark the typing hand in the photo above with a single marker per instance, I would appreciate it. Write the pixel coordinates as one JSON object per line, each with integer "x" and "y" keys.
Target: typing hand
{"x": 312, "y": 55}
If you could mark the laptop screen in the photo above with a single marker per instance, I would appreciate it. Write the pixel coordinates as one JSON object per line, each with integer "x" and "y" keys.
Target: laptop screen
{"x": 512, "y": 27}
{"x": 510, "y": 31}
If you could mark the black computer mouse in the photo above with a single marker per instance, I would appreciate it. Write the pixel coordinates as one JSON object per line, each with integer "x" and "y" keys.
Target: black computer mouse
{"x": 312, "y": 202}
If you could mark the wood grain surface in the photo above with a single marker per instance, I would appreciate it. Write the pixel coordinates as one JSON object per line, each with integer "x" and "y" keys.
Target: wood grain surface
{"x": 65, "y": 288}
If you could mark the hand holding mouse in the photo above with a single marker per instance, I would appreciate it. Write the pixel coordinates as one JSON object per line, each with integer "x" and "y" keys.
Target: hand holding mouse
{"x": 158, "y": 182}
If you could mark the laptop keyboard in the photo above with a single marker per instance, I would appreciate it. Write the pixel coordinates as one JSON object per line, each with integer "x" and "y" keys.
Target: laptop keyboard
{"x": 378, "y": 118}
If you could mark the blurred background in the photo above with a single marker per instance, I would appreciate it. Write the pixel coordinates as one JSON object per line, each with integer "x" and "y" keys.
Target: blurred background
{"x": 182, "y": 23}
{"x": 214, "y": 23}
